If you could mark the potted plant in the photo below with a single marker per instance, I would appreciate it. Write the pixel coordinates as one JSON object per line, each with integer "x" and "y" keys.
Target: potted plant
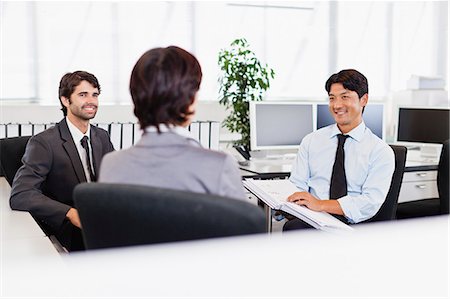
{"x": 243, "y": 79}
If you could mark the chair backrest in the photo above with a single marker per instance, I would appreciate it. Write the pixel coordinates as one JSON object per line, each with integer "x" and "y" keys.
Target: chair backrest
{"x": 114, "y": 215}
{"x": 11, "y": 153}
{"x": 443, "y": 178}
{"x": 389, "y": 208}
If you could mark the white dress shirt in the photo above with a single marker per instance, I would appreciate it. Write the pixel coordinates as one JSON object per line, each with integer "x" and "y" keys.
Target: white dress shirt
{"x": 77, "y": 135}
{"x": 369, "y": 165}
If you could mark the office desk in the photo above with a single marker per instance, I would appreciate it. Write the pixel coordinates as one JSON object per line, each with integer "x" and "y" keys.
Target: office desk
{"x": 411, "y": 261}
{"x": 22, "y": 241}
{"x": 280, "y": 168}
{"x": 15, "y": 224}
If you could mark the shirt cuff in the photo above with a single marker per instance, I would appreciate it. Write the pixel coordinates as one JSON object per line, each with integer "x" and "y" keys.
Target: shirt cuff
{"x": 346, "y": 208}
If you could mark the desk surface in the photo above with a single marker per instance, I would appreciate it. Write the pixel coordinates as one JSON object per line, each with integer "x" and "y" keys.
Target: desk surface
{"x": 412, "y": 260}
{"x": 15, "y": 224}
{"x": 282, "y": 167}
{"x": 407, "y": 262}
{"x": 21, "y": 239}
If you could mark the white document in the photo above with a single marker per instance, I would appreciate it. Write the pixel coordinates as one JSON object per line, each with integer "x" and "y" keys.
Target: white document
{"x": 127, "y": 135}
{"x": 12, "y": 130}
{"x": 2, "y": 131}
{"x": 116, "y": 135}
{"x": 26, "y": 129}
{"x": 214, "y": 135}
{"x": 194, "y": 128}
{"x": 38, "y": 128}
{"x": 275, "y": 193}
{"x": 137, "y": 133}
{"x": 205, "y": 133}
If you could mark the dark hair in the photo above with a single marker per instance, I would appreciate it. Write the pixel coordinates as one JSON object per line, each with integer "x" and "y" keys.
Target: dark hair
{"x": 163, "y": 85}
{"x": 70, "y": 81}
{"x": 351, "y": 80}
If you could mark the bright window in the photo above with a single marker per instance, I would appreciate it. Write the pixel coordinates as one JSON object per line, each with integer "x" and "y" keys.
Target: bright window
{"x": 304, "y": 42}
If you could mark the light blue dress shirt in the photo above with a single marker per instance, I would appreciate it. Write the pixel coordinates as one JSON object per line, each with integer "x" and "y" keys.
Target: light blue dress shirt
{"x": 369, "y": 165}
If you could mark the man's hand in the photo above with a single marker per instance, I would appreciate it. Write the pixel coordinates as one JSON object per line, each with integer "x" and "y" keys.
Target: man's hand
{"x": 73, "y": 217}
{"x": 306, "y": 199}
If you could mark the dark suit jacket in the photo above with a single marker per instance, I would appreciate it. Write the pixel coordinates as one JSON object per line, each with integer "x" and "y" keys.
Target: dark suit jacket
{"x": 51, "y": 170}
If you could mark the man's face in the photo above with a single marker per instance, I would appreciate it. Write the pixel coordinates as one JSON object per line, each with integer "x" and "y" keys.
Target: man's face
{"x": 346, "y": 107}
{"x": 83, "y": 102}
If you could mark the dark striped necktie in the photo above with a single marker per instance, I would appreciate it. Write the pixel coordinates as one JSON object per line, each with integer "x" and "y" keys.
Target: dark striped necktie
{"x": 84, "y": 144}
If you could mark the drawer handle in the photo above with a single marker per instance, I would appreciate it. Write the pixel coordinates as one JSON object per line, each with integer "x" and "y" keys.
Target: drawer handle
{"x": 421, "y": 174}
{"x": 421, "y": 186}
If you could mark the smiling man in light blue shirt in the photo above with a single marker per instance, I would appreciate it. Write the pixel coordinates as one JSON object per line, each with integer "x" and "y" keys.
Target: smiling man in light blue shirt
{"x": 369, "y": 161}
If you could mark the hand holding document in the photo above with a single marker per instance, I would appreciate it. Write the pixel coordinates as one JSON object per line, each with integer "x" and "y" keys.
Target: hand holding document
{"x": 275, "y": 193}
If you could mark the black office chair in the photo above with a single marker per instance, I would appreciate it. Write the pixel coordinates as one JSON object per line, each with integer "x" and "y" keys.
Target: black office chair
{"x": 114, "y": 215}
{"x": 389, "y": 207}
{"x": 11, "y": 153}
{"x": 432, "y": 206}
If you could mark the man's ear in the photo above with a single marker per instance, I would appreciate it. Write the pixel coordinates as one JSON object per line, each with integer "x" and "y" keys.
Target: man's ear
{"x": 65, "y": 101}
{"x": 364, "y": 99}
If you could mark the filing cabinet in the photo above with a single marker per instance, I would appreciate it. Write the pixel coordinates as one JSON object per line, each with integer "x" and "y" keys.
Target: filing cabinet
{"x": 418, "y": 185}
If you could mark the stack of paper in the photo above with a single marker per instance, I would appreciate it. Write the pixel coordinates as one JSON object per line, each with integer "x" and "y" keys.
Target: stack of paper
{"x": 275, "y": 193}
{"x": 421, "y": 82}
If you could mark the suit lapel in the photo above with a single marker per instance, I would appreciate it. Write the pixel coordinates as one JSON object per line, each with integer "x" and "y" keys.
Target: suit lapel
{"x": 97, "y": 150}
{"x": 71, "y": 150}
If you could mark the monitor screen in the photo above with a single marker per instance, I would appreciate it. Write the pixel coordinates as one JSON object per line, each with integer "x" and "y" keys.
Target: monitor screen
{"x": 279, "y": 125}
{"x": 423, "y": 125}
{"x": 373, "y": 117}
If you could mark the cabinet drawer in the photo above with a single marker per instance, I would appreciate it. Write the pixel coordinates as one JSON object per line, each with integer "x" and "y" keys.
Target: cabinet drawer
{"x": 411, "y": 191}
{"x": 430, "y": 175}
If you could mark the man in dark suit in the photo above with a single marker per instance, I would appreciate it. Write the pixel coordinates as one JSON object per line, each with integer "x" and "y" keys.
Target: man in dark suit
{"x": 61, "y": 157}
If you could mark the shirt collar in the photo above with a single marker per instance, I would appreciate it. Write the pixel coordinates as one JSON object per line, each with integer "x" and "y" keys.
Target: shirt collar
{"x": 77, "y": 135}
{"x": 357, "y": 133}
{"x": 182, "y": 131}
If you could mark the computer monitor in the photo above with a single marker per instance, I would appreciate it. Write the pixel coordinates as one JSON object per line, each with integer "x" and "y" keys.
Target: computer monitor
{"x": 423, "y": 125}
{"x": 279, "y": 125}
{"x": 373, "y": 118}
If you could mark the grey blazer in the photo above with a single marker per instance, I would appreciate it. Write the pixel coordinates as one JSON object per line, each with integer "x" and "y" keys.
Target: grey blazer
{"x": 169, "y": 160}
{"x": 51, "y": 169}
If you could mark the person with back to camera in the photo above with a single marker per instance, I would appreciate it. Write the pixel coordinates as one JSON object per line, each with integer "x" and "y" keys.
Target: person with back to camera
{"x": 163, "y": 86}
{"x": 343, "y": 169}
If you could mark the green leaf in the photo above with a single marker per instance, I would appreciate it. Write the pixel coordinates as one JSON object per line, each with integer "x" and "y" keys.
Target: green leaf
{"x": 243, "y": 79}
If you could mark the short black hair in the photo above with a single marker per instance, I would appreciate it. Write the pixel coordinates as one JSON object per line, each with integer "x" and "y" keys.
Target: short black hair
{"x": 163, "y": 86}
{"x": 351, "y": 80}
{"x": 70, "y": 81}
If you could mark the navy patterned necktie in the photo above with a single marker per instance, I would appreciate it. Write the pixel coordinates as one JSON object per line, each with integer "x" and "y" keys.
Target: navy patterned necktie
{"x": 338, "y": 184}
{"x": 84, "y": 144}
